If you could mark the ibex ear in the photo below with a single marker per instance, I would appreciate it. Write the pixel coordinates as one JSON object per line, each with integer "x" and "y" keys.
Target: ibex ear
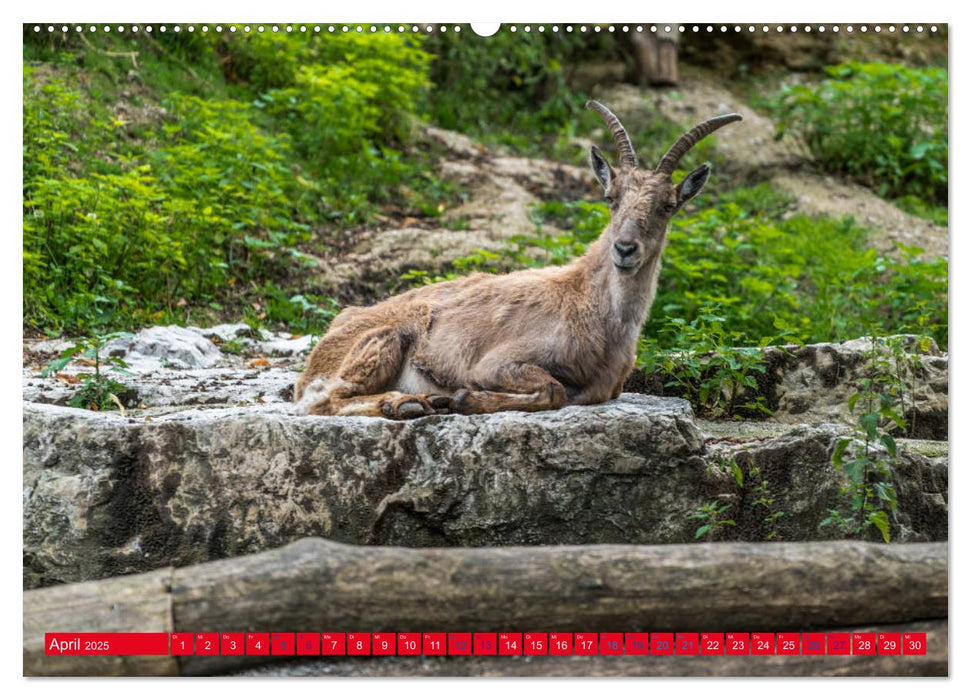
{"x": 601, "y": 167}
{"x": 692, "y": 184}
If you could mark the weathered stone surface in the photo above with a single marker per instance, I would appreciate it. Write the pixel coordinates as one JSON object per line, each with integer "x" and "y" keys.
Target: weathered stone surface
{"x": 158, "y": 379}
{"x": 800, "y": 478}
{"x": 812, "y": 383}
{"x": 171, "y": 346}
{"x": 106, "y": 495}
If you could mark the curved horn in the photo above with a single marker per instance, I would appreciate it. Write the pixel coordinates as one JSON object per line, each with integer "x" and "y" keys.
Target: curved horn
{"x": 687, "y": 142}
{"x": 621, "y": 139}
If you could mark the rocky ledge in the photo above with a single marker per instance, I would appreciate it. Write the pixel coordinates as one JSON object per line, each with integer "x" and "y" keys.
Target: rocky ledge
{"x": 208, "y": 461}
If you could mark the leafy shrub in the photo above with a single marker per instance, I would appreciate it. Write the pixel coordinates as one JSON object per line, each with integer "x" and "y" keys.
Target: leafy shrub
{"x": 706, "y": 366}
{"x": 513, "y": 81}
{"x": 868, "y": 458}
{"x": 100, "y": 390}
{"x": 111, "y": 236}
{"x": 346, "y": 101}
{"x": 814, "y": 277}
{"x": 883, "y": 124}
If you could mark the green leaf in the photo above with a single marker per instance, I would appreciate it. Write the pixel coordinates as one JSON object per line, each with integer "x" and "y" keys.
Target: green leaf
{"x": 56, "y": 366}
{"x": 737, "y": 471}
{"x": 701, "y": 531}
{"x": 841, "y": 446}
{"x": 879, "y": 520}
{"x": 868, "y": 422}
{"x": 890, "y": 444}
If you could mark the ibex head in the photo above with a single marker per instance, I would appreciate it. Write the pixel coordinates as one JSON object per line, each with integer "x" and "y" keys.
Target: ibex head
{"x": 643, "y": 201}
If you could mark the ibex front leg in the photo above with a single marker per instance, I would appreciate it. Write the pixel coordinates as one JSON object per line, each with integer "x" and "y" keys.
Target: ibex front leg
{"x": 514, "y": 386}
{"x": 369, "y": 369}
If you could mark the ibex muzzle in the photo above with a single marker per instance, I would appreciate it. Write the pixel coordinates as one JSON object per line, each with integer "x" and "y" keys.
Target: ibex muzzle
{"x": 531, "y": 340}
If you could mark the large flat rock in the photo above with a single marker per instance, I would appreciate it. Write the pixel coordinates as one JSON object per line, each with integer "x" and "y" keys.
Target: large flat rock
{"x": 106, "y": 495}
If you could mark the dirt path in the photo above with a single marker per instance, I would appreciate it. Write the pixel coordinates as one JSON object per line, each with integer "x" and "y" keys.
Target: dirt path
{"x": 749, "y": 149}
{"x": 500, "y": 192}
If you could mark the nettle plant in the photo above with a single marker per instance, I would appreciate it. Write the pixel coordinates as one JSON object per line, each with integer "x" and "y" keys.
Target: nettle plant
{"x": 100, "y": 390}
{"x": 867, "y": 457}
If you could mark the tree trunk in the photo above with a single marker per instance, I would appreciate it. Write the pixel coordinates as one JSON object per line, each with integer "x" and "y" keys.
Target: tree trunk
{"x": 656, "y": 55}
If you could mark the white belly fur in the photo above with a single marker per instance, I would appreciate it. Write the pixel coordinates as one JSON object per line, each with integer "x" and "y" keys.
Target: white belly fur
{"x": 411, "y": 381}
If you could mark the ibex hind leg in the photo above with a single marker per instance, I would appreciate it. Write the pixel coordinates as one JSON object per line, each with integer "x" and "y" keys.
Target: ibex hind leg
{"x": 360, "y": 387}
{"x": 512, "y": 387}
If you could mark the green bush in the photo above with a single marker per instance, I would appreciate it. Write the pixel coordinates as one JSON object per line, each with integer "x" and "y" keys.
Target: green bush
{"x": 885, "y": 125}
{"x": 128, "y": 222}
{"x": 108, "y": 237}
{"x": 346, "y": 101}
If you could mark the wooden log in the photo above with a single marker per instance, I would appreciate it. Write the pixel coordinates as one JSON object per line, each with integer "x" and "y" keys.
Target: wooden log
{"x": 138, "y": 603}
{"x": 317, "y": 585}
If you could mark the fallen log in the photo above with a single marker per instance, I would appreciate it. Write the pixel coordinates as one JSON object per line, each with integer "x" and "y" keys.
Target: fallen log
{"x": 317, "y": 585}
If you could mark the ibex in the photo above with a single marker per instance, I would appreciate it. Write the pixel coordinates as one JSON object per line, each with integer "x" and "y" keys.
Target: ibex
{"x": 530, "y": 340}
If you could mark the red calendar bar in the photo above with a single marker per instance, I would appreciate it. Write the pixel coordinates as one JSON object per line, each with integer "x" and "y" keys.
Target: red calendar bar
{"x": 813, "y": 643}
{"x": 662, "y": 643}
{"x": 460, "y": 644}
{"x": 636, "y": 644}
{"x": 486, "y": 643}
{"x": 510, "y": 644}
{"x": 308, "y": 643}
{"x": 282, "y": 644}
{"x": 231, "y": 644}
{"x": 535, "y": 644}
{"x": 383, "y": 643}
{"x": 107, "y": 643}
{"x": 257, "y": 644}
{"x": 838, "y": 643}
{"x": 585, "y": 643}
{"x": 333, "y": 644}
{"x": 433, "y": 644}
{"x": 561, "y": 644}
{"x": 864, "y": 643}
{"x": 611, "y": 644}
{"x": 712, "y": 643}
{"x": 736, "y": 644}
{"x": 207, "y": 644}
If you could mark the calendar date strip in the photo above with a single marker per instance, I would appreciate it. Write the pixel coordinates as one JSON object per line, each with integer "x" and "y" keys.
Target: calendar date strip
{"x": 485, "y": 644}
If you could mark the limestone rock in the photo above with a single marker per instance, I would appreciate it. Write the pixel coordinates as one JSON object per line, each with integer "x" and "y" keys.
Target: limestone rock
{"x": 172, "y": 346}
{"x": 107, "y": 495}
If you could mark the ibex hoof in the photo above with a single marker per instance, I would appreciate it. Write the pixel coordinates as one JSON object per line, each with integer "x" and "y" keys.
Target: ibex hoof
{"x": 406, "y": 407}
{"x": 439, "y": 401}
{"x": 412, "y": 409}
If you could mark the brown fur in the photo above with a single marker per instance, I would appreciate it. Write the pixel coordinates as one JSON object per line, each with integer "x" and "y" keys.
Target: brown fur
{"x": 530, "y": 340}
